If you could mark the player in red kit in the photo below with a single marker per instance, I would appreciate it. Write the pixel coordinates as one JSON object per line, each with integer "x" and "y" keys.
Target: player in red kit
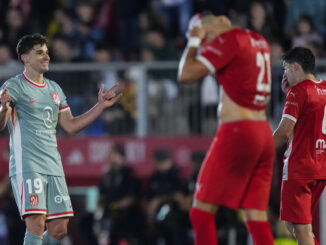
{"x": 237, "y": 170}
{"x": 303, "y": 128}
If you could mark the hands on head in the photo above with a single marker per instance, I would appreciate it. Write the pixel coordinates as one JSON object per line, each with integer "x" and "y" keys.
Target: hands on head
{"x": 5, "y": 98}
{"x": 109, "y": 97}
{"x": 195, "y": 28}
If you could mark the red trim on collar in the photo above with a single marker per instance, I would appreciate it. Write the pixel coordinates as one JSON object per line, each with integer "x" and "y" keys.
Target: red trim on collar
{"x": 33, "y": 83}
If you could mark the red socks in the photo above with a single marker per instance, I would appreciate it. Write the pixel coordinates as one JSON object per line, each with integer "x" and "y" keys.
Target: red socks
{"x": 261, "y": 232}
{"x": 316, "y": 242}
{"x": 204, "y": 227}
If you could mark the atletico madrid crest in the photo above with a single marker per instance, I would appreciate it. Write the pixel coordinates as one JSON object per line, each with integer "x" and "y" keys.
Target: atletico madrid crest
{"x": 33, "y": 199}
{"x": 56, "y": 98}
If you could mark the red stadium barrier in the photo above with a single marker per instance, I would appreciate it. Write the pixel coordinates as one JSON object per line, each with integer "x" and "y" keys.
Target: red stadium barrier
{"x": 85, "y": 159}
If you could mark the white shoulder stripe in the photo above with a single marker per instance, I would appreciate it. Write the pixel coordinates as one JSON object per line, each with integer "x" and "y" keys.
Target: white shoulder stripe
{"x": 290, "y": 117}
{"x": 207, "y": 63}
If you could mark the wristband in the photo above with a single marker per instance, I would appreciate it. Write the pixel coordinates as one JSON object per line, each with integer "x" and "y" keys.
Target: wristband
{"x": 194, "y": 42}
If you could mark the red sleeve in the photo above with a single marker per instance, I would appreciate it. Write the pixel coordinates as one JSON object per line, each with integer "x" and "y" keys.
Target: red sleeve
{"x": 218, "y": 53}
{"x": 294, "y": 102}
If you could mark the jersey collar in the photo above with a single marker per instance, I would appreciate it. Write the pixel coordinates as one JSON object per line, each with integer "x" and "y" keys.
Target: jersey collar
{"x": 34, "y": 83}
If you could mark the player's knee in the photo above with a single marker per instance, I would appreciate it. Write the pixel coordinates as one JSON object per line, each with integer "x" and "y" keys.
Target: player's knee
{"x": 302, "y": 230}
{"x": 201, "y": 218}
{"x": 290, "y": 228}
{"x": 35, "y": 224}
{"x": 255, "y": 215}
{"x": 59, "y": 232}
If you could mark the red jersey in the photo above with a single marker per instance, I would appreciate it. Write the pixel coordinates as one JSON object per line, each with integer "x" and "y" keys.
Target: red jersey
{"x": 241, "y": 61}
{"x": 305, "y": 157}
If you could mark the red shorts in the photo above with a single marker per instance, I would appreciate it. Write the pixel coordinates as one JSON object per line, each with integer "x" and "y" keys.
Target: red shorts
{"x": 238, "y": 168}
{"x": 299, "y": 198}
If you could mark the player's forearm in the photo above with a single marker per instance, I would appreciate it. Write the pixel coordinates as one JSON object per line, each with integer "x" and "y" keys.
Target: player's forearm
{"x": 280, "y": 139}
{"x": 80, "y": 122}
{"x": 187, "y": 70}
{"x": 4, "y": 112}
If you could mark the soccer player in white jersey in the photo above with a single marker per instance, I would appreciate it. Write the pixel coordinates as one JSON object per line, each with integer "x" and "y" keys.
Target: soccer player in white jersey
{"x": 31, "y": 107}
{"x": 303, "y": 129}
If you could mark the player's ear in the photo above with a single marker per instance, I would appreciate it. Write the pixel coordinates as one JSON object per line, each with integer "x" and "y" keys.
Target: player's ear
{"x": 296, "y": 66}
{"x": 24, "y": 58}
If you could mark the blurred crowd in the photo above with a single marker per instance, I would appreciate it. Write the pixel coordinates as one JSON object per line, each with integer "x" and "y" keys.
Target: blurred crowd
{"x": 149, "y": 30}
{"x": 108, "y": 31}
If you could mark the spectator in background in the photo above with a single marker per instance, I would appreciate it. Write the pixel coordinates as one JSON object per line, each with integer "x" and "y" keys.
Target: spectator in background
{"x": 176, "y": 14}
{"x": 104, "y": 55}
{"x": 61, "y": 24}
{"x": 119, "y": 195}
{"x": 8, "y": 65}
{"x": 277, "y": 49}
{"x": 87, "y": 31}
{"x": 295, "y": 8}
{"x": 15, "y": 27}
{"x": 306, "y": 33}
{"x": 259, "y": 20}
{"x": 163, "y": 210}
{"x": 75, "y": 84}
{"x": 161, "y": 46}
{"x": 128, "y": 12}
{"x": 62, "y": 49}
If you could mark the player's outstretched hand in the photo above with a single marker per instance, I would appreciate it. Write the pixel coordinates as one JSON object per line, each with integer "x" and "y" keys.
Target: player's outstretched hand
{"x": 285, "y": 84}
{"x": 108, "y": 98}
{"x": 5, "y": 98}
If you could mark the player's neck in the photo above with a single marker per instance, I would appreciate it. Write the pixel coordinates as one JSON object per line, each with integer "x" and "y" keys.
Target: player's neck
{"x": 34, "y": 76}
{"x": 311, "y": 77}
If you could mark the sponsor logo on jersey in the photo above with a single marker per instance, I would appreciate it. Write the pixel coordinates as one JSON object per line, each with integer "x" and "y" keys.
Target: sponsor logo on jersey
{"x": 33, "y": 199}
{"x": 32, "y": 101}
{"x": 320, "y": 146}
{"x": 258, "y": 43}
{"x": 320, "y": 91}
{"x": 58, "y": 199}
{"x": 291, "y": 103}
{"x": 213, "y": 50}
{"x": 56, "y": 98}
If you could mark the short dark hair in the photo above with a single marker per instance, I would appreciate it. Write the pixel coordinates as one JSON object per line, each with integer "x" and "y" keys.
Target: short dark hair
{"x": 119, "y": 148}
{"x": 303, "y": 56}
{"x": 27, "y": 42}
{"x": 162, "y": 154}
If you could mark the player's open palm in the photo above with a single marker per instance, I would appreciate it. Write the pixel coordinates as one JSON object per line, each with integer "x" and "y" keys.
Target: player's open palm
{"x": 109, "y": 97}
{"x": 5, "y": 98}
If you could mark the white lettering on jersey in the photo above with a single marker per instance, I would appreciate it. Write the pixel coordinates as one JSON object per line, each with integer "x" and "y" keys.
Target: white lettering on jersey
{"x": 320, "y": 146}
{"x": 258, "y": 43}
{"x": 321, "y": 91}
{"x": 59, "y": 199}
{"x": 48, "y": 116}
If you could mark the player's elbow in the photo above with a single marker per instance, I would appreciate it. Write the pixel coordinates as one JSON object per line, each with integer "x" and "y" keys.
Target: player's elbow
{"x": 185, "y": 77}
{"x": 71, "y": 132}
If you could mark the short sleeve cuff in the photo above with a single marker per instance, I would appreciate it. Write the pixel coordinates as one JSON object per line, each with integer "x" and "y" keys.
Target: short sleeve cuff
{"x": 290, "y": 117}
{"x": 64, "y": 108}
{"x": 207, "y": 63}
